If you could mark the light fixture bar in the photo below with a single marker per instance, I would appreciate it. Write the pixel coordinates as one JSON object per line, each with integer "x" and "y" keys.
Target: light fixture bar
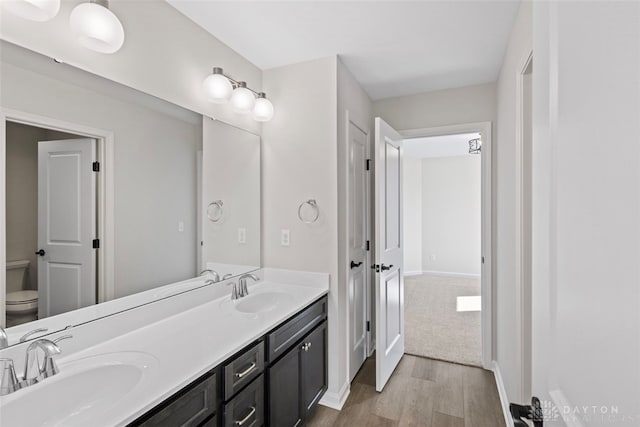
{"x": 236, "y": 83}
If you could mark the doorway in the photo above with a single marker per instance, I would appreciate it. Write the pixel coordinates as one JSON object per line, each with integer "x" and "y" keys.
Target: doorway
{"x": 54, "y": 194}
{"x": 442, "y": 247}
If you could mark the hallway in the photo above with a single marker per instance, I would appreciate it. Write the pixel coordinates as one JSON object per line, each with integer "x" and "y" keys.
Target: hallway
{"x": 421, "y": 392}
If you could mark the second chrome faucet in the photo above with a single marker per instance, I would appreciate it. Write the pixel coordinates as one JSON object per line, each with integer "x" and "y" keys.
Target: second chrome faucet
{"x": 241, "y": 289}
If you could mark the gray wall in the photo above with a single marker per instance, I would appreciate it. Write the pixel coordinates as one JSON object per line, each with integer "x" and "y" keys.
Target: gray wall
{"x": 155, "y": 161}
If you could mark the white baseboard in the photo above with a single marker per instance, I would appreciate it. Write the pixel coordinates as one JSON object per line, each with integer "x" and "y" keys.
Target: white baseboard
{"x": 336, "y": 400}
{"x": 444, "y": 274}
{"x": 502, "y": 392}
{"x": 413, "y": 273}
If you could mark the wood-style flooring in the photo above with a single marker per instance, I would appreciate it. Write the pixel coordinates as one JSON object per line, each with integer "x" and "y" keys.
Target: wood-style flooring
{"x": 421, "y": 392}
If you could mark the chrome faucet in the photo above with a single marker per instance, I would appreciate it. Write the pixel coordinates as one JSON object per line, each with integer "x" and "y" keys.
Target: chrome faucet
{"x": 243, "y": 290}
{"x": 216, "y": 276}
{"x": 36, "y": 370}
{"x": 4, "y": 341}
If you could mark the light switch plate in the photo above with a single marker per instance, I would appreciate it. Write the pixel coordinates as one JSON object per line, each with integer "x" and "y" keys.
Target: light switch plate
{"x": 242, "y": 235}
{"x": 285, "y": 238}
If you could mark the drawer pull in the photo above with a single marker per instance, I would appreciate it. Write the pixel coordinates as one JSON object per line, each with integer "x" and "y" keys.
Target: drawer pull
{"x": 245, "y": 419}
{"x": 246, "y": 371}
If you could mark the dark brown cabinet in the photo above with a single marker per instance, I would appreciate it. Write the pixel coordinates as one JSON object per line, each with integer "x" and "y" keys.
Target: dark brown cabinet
{"x": 298, "y": 380}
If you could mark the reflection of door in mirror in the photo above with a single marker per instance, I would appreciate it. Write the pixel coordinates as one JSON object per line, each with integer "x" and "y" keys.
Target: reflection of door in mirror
{"x": 50, "y": 222}
{"x": 230, "y": 199}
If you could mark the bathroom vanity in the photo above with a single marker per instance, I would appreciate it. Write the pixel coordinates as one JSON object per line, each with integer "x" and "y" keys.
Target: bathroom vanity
{"x": 197, "y": 358}
{"x": 275, "y": 381}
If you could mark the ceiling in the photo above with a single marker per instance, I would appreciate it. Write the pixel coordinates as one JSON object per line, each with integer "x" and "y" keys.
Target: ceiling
{"x": 439, "y": 146}
{"x": 393, "y": 48}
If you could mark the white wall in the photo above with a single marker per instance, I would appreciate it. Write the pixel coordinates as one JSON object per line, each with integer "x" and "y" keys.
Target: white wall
{"x": 299, "y": 162}
{"x": 451, "y": 196}
{"x": 586, "y": 199}
{"x": 155, "y": 161}
{"x": 152, "y": 59}
{"x": 508, "y": 334}
{"x": 412, "y": 187}
{"x": 468, "y": 104}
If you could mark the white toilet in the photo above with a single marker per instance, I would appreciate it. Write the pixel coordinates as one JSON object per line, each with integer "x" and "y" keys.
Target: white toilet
{"x": 22, "y": 305}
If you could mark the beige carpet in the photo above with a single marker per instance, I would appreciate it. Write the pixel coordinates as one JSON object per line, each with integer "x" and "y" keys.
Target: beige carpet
{"x": 433, "y": 327}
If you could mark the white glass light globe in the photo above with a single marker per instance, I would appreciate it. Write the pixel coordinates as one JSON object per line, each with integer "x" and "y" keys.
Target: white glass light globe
{"x": 97, "y": 28}
{"x": 33, "y": 10}
{"x": 242, "y": 99}
{"x": 263, "y": 110}
{"x": 218, "y": 88}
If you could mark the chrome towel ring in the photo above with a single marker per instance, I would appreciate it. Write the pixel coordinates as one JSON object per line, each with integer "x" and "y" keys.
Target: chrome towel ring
{"x": 314, "y": 207}
{"x": 214, "y": 211}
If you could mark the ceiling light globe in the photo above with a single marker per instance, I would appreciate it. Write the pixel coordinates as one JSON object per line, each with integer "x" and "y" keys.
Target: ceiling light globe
{"x": 263, "y": 109}
{"x": 33, "y": 10}
{"x": 96, "y": 27}
{"x": 242, "y": 99}
{"x": 217, "y": 88}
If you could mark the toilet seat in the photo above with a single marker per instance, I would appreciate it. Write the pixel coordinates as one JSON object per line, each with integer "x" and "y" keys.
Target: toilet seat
{"x": 22, "y": 301}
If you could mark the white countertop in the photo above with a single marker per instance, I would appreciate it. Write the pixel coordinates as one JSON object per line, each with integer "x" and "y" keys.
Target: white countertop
{"x": 185, "y": 345}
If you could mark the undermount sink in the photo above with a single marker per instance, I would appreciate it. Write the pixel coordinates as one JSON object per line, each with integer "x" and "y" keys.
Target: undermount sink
{"x": 259, "y": 302}
{"x": 80, "y": 392}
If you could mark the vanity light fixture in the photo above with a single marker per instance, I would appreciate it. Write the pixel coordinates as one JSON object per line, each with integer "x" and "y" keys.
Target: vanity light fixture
{"x": 263, "y": 110}
{"x": 96, "y": 27}
{"x": 217, "y": 87}
{"x": 33, "y": 10}
{"x": 220, "y": 88}
{"x": 242, "y": 99}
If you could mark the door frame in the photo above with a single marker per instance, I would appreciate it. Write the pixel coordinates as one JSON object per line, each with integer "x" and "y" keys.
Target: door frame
{"x": 105, "y": 196}
{"x": 485, "y": 129}
{"x": 524, "y": 294}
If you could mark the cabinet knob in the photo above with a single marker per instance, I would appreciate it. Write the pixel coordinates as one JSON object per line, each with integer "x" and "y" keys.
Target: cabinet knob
{"x": 306, "y": 346}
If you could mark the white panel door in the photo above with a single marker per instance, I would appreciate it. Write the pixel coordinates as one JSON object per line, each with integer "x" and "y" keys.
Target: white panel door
{"x": 389, "y": 290}
{"x": 66, "y": 225}
{"x": 358, "y": 267}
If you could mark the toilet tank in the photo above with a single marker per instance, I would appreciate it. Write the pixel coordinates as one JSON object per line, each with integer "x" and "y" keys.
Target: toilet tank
{"x": 16, "y": 275}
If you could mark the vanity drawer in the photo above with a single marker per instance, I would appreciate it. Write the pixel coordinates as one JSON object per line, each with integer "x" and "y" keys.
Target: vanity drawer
{"x": 243, "y": 369}
{"x": 286, "y": 335}
{"x": 246, "y": 409}
{"x": 190, "y": 407}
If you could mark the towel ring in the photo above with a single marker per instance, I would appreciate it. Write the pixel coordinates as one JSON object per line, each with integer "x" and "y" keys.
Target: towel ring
{"x": 316, "y": 211}
{"x": 214, "y": 206}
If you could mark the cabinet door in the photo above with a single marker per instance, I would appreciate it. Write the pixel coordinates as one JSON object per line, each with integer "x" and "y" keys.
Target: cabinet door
{"x": 284, "y": 390}
{"x": 313, "y": 352}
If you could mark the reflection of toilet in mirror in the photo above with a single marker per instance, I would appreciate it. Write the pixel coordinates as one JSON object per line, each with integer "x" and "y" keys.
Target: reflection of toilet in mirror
{"x": 22, "y": 303}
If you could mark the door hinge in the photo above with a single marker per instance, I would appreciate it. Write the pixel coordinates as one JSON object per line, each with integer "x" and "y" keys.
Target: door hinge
{"x": 483, "y": 260}
{"x": 367, "y": 246}
{"x": 96, "y": 243}
{"x": 368, "y": 326}
{"x": 367, "y": 164}
{"x": 96, "y": 166}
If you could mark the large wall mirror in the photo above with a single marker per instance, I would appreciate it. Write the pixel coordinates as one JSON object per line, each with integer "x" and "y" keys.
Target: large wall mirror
{"x": 112, "y": 193}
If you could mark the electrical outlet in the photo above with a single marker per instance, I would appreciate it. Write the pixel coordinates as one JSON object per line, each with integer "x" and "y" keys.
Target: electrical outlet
{"x": 242, "y": 235}
{"x": 285, "y": 238}
{"x": 433, "y": 257}
{"x": 180, "y": 226}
